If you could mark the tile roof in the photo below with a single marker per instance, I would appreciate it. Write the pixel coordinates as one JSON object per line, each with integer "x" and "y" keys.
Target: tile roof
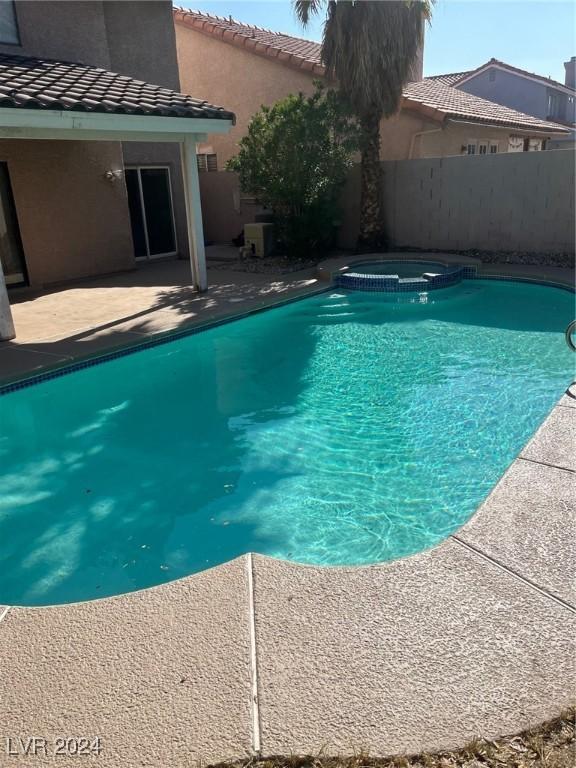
{"x": 445, "y": 100}
{"x": 434, "y": 93}
{"x": 448, "y": 79}
{"x": 33, "y": 83}
{"x": 292, "y": 51}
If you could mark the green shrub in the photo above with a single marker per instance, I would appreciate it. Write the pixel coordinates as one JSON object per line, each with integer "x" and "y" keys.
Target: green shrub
{"x": 294, "y": 160}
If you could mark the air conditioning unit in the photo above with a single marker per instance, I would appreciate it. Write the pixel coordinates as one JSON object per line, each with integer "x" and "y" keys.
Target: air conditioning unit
{"x": 259, "y": 238}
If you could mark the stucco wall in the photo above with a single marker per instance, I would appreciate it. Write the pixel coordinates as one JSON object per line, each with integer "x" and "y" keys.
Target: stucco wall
{"x": 73, "y": 222}
{"x": 224, "y": 209}
{"x": 134, "y": 37}
{"x": 234, "y": 78}
{"x": 142, "y": 44}
{"x": 142, "y": 41}
{"x": 510, "y": 202}
{"x": 74, "y": 31}
{"x": 406, "y": 135}
{"x": 455, "y": 136}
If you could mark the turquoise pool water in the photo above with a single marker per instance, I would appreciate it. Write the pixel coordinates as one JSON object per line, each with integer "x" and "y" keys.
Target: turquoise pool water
{"x": 339, "y": 429}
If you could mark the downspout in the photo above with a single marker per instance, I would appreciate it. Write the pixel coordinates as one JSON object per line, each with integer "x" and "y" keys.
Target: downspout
{"x": 419, "y": 135}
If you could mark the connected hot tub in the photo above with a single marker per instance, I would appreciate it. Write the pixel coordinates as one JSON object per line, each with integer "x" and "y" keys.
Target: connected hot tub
{"x": 408, "y": 275}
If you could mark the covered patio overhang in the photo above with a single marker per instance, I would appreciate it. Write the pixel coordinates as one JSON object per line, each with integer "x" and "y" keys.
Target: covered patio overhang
{"x": 44, "y": 124}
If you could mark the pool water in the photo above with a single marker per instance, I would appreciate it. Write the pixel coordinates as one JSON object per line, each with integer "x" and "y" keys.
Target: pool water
{"x": 400, "y": 268}
{"x": 338, "y": 429}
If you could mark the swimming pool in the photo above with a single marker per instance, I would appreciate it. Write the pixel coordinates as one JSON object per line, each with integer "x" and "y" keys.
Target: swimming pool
{"x": 344, "y": 428}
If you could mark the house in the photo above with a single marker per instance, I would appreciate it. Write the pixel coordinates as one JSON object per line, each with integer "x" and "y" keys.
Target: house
{"x": 525, "y": 91}
{"x": 92, "y": 128}
{"x": 246, "y": 66}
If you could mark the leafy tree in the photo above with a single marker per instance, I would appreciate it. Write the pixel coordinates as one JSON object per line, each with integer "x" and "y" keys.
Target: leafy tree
{"x": 294, "y": 160}
{"x": 369, "y": 47}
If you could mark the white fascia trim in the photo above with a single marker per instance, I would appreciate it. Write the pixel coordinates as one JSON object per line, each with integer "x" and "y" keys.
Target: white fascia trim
{"x": 61, "y": 134}
{"x": 47, "y": 119}
{"x": 511, "y": 128}
{"x": 475, "y": 73}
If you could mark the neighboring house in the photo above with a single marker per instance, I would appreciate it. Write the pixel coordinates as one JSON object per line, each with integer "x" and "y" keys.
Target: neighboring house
{"x": 90, "y": 160}
{"x": 245, "y": 67}
{"x": 525, "y": 91}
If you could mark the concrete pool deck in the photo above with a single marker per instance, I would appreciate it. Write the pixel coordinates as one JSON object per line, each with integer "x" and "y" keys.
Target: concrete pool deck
{"x": 473, "y": 637}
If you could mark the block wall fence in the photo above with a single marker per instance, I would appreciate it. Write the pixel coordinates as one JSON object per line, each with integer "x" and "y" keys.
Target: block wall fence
{"x": 521, "y": 201}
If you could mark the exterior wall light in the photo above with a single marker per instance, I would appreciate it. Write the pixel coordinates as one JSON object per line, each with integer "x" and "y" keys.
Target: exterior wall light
{"x": 114, "y": 175}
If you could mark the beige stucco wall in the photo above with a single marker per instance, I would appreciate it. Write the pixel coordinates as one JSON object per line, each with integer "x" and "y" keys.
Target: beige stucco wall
{"x": 234, "y": 78}
{"x": 403, "y": 134}
{"x": 142, "y": 44}
{"x": 136, "y": 38}
{"x": 73, "y": 222}
{"x": 455, "y": 135}
{"x": 225, "y": 209}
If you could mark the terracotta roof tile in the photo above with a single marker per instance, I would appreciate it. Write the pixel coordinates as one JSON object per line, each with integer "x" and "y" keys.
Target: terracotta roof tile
{"x": 448, "y": 79}
{"x": 32, "y": 83}
{"x": 452, "y": 102}
{"x": 297, "y": 52}
{"x": 435, "y": 93}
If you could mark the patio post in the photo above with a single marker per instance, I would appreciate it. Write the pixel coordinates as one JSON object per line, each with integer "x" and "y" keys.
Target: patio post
{"x": 7, "y": 330}
{"x": 194, "y": 213}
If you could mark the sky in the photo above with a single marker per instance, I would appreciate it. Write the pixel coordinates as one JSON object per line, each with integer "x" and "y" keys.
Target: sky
{"x": 537, "y": 35}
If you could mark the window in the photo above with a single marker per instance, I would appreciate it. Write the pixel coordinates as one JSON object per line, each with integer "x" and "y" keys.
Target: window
{"x": 556, "y": 105}
{"x": 481, "y": 147}
{"x": 515, "y": 144}
{"x": 8, "y": 23}
{"x": 534, "y": 145}
{"x": 151, "y": 213}
{"x": 207, "y": 162}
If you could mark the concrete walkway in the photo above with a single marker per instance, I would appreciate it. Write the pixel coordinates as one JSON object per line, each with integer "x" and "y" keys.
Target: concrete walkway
{"x": 473, "y": 637}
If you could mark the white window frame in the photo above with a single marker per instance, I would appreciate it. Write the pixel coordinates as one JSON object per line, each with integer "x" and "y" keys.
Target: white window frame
{"x": 491, "y": 147}
{"x": 153, "y": 257}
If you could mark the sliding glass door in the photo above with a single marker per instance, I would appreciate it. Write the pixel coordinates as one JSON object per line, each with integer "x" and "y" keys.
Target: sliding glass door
{"x": 151, "y": 211}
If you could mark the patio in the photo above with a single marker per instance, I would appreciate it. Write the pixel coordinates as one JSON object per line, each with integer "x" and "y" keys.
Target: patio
{"x": 93, "y": 315}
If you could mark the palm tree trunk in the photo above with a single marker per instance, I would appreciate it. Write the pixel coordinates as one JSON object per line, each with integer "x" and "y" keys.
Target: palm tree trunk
{"x": 371, "y": 235}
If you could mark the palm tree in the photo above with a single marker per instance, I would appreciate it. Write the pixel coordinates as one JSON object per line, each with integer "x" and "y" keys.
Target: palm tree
{"x": 369, "y": 47}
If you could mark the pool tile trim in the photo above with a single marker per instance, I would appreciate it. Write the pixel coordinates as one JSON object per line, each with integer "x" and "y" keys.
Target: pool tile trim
{"x": 156, "y": 340}
{"x": 390, "y": 283}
